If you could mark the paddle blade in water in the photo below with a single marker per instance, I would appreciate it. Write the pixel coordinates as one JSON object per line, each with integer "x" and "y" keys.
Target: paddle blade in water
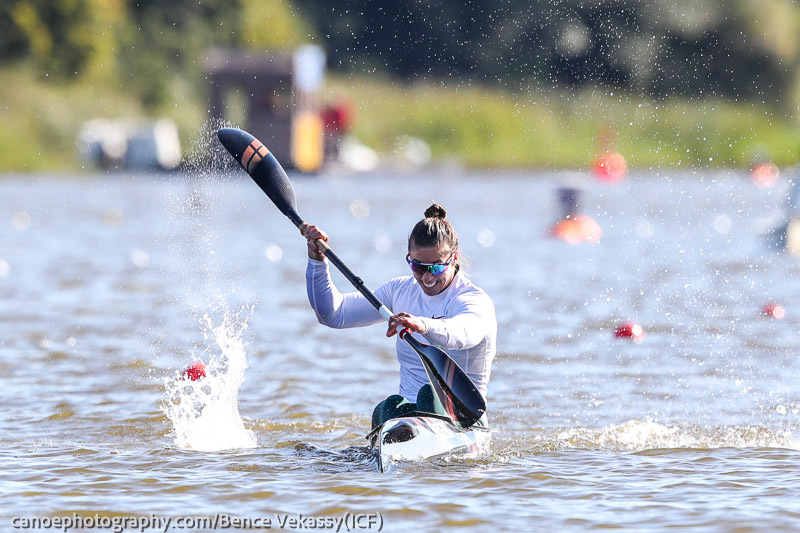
{"x": 454, "y": 388}
{"x": 262, "y": 166}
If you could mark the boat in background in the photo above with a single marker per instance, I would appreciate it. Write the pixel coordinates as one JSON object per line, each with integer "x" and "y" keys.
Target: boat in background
{"x": 130, "y": 143}
{"x": 424, "y": 436}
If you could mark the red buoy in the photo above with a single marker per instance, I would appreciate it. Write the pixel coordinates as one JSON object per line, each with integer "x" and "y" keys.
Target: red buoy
{"x": 630, "y": 330}
{"x": 773, "y": 310}
{"x": 194, "y": 371}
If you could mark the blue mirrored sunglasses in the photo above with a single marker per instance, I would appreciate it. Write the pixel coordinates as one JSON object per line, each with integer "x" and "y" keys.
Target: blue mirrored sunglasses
{"x": 433, "y": 268}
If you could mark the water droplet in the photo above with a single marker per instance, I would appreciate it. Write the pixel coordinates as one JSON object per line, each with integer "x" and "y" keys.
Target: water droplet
{"x": 113, "y": 217}
{"x": 273, "y": 252}
{"x": 138, "y": 257}
{"x": 21, "y": 220}
{"x": 723, "y": 224}
{"x": 383, "y": 244}
{"x": 486, "y": 238}
{"x": 644, "y": 229}
{"x": 359, "y": 208}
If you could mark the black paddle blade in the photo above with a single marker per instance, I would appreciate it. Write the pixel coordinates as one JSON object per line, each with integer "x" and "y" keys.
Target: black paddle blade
{"x": 262, "y": 166}
{"x": 454, "y": 388}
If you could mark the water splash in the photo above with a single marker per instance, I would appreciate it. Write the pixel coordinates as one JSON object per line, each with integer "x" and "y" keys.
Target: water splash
{"x": 205, "y": 413}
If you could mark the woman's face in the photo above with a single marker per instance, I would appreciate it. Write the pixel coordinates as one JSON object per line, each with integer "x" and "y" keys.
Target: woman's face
{"x": 433, "y": 284}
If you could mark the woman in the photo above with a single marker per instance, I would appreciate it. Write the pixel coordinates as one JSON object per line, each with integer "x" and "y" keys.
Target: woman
{"x": 437, "y": 301}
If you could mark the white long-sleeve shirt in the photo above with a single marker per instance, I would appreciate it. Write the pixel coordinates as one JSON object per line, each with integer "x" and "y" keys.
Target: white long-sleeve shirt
{"x": 460, "y": 320}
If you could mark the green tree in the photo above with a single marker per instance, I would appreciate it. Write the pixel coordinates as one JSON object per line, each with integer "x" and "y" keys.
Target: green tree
{"x": 735, "y": 48}
{"x": 55, "y": 36}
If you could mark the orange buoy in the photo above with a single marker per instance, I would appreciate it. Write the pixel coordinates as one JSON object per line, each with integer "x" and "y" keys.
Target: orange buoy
{"x": 765, "y": 174}
{"x": 574, "y": 228}
{"x": 577, "y": 229}
{"x": 609, "y": 167}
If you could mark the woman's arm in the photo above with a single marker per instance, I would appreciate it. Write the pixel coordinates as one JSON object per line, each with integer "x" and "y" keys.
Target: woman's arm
{"x": 333, "y": 308}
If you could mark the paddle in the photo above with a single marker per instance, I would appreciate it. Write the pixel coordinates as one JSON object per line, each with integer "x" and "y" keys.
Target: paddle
{"x": 454, "y": 388}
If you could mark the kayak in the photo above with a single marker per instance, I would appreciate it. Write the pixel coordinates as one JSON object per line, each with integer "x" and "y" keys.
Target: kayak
{"x": 423, "y": 436}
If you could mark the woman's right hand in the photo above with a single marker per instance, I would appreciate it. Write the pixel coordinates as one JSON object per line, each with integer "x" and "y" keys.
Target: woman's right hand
{"x": 313, "y": 234}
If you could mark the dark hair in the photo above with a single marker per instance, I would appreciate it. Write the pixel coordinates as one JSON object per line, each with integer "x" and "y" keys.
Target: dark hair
{"x": 433, "y": 230}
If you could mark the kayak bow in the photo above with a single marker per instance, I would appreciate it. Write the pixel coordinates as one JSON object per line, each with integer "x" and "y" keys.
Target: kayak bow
{"x": 424, "y": 436}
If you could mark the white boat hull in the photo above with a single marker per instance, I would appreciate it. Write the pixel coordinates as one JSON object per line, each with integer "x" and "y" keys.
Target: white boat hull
{"x": 420, "y": 438}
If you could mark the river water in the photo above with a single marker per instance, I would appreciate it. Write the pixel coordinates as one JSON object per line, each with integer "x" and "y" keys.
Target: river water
{"x": 111, "y": 284}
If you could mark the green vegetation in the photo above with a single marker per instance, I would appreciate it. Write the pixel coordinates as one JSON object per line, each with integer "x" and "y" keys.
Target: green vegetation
{"x": 487, "y": 127}
{"x": 482, "y": 127}
{"x": 40, "y": 118}
{"x": 69, "y": 61}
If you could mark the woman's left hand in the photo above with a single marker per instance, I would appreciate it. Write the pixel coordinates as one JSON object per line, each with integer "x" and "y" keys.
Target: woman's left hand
{"x": 405, "y": 321}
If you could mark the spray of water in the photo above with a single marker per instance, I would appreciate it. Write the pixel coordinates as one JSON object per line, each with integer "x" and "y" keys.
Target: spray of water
{"x": 640, "y": 435}
{"x": 205, "y": 413}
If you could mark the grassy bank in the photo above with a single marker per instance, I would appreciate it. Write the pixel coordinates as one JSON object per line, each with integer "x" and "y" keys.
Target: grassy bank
{"x": 488, "y": 128}
{"x": 39, "y": 121}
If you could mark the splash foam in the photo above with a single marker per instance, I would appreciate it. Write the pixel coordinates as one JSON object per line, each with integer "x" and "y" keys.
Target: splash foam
{"x": 205, "y": 413}
{"x": 640, "y": 435}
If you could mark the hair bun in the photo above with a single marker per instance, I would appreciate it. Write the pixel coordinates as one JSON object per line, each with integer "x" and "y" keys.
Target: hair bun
{"x": 435, "y": 211}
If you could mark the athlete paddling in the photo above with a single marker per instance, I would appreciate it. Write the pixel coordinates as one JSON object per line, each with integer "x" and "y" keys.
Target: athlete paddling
{"x": 437, "y": 301}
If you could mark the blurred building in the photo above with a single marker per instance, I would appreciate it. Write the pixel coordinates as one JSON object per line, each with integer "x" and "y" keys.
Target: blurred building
{"x": 275, "y": 97}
